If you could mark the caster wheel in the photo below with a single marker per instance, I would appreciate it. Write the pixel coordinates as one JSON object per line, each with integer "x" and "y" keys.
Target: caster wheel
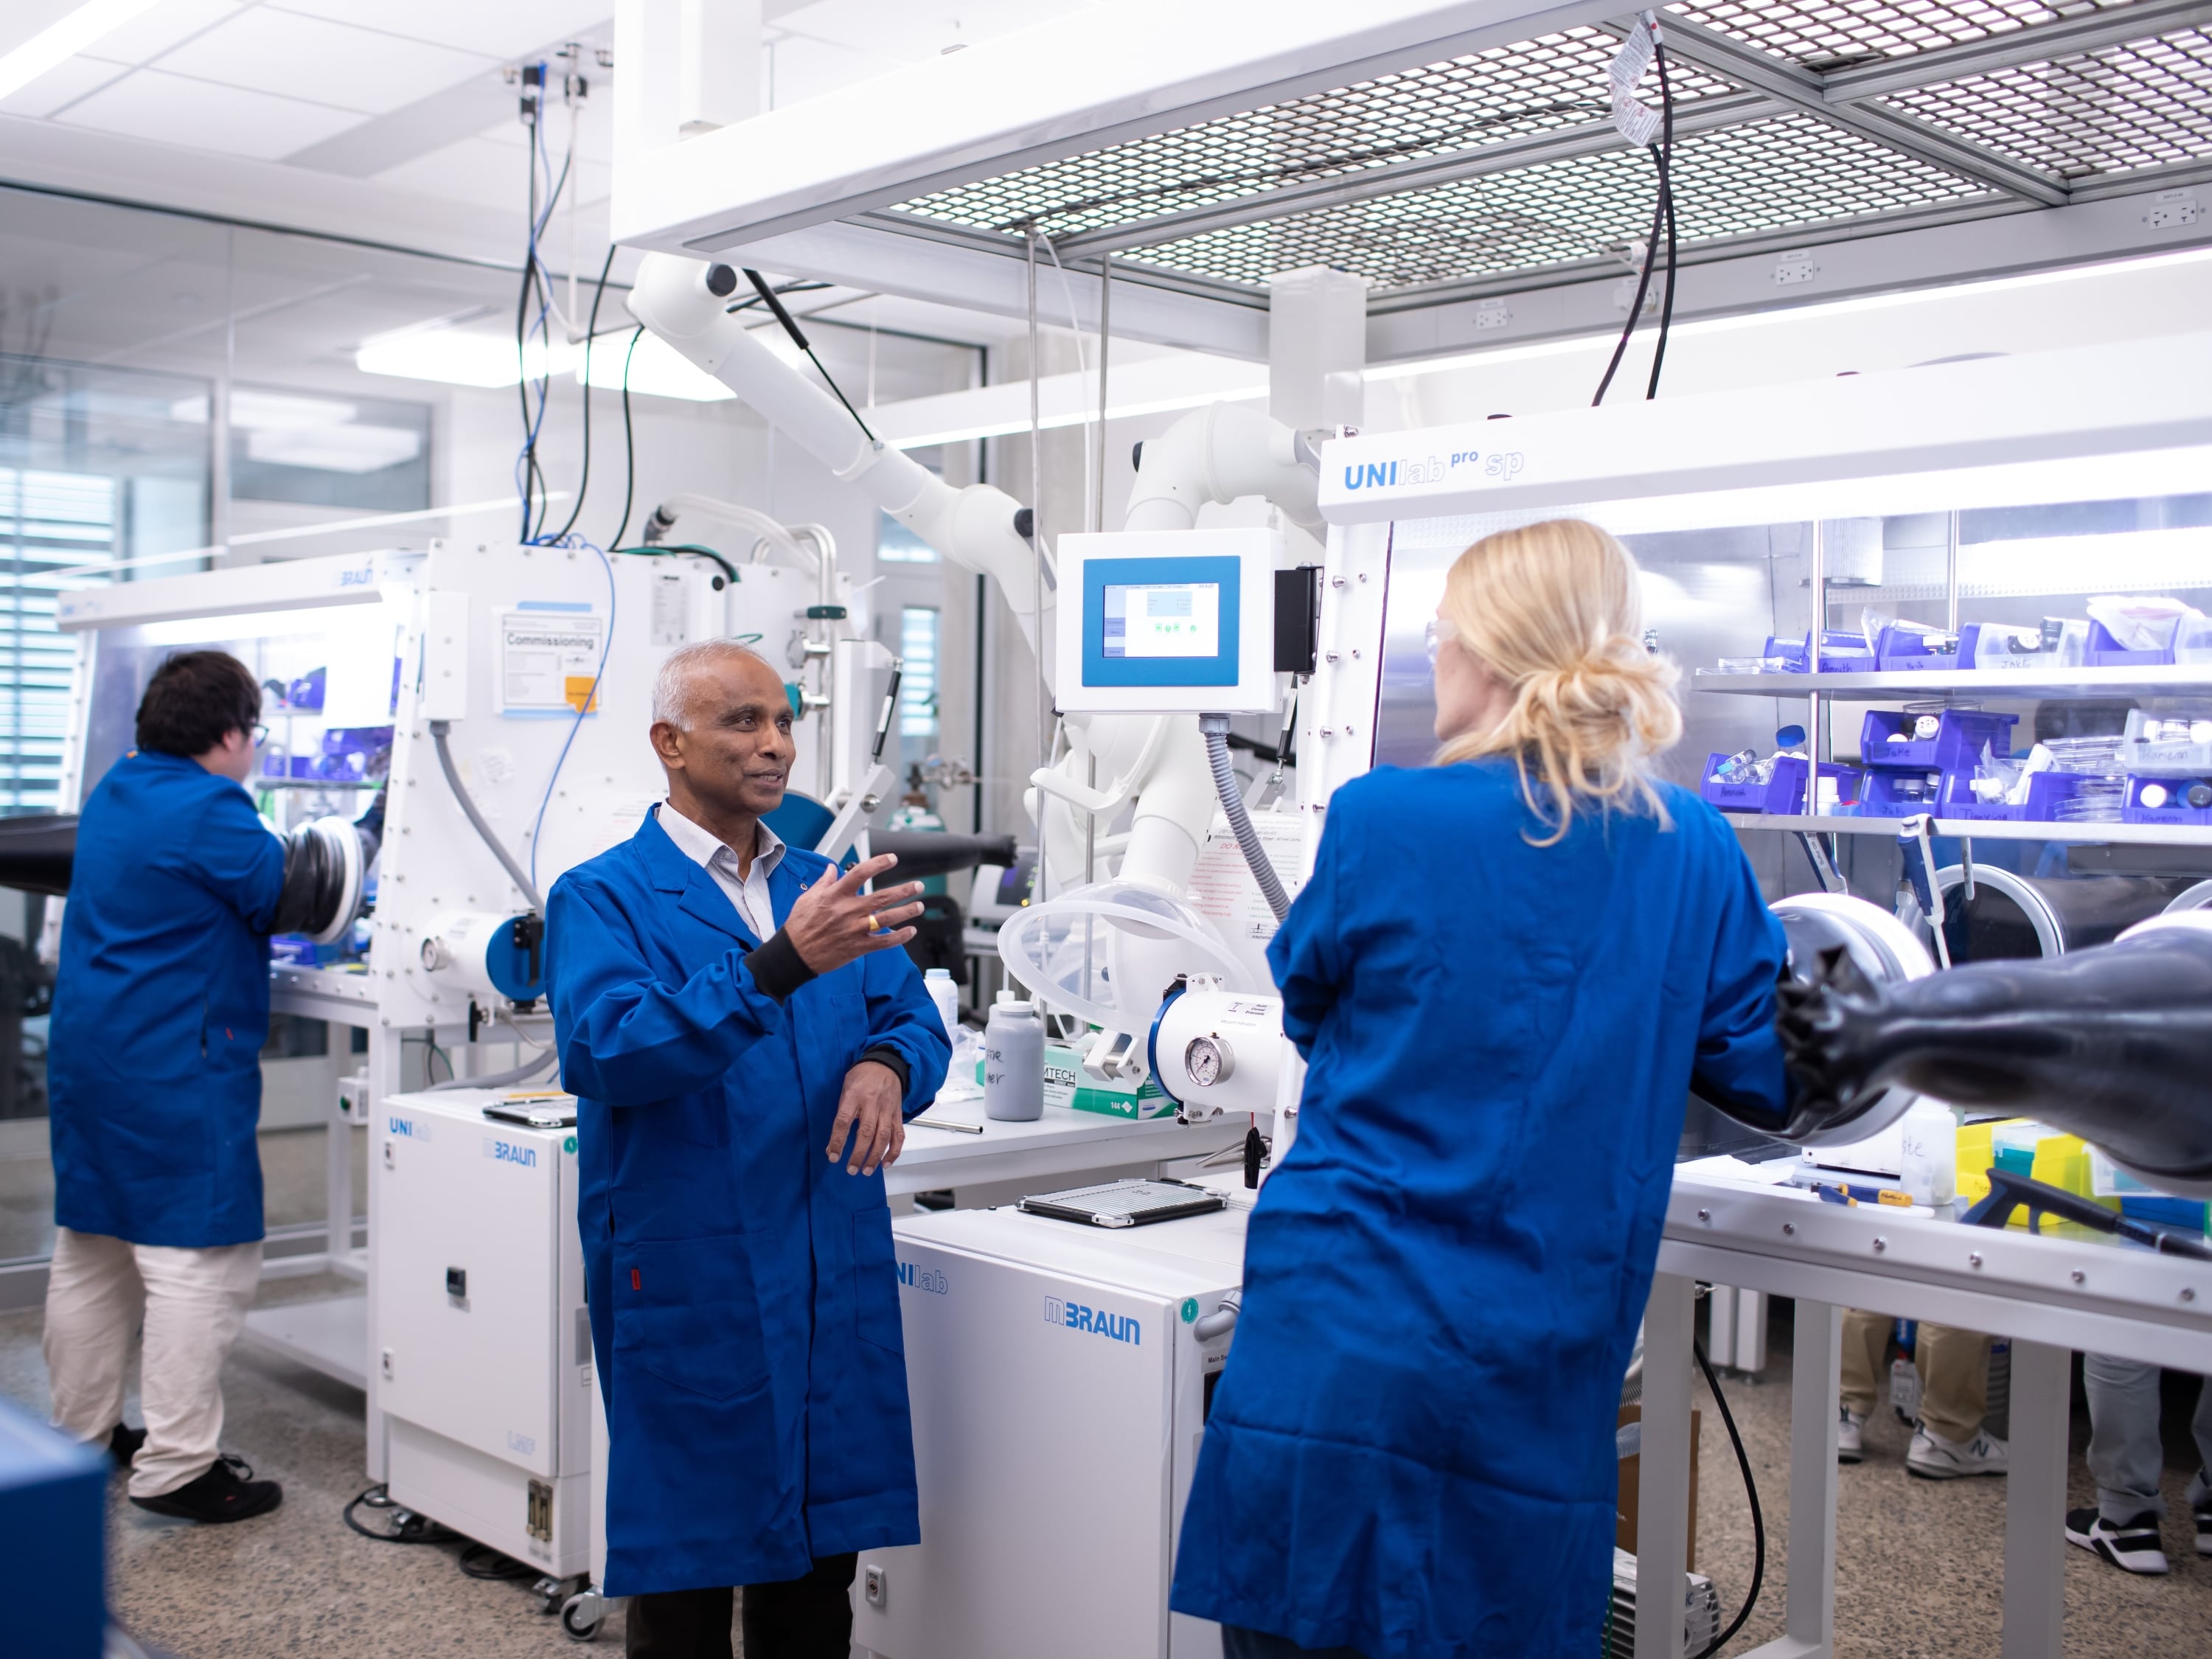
{"x": 583, "y": 1614}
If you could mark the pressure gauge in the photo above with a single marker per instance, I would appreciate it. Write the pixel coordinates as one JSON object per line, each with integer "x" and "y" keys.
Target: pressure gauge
{"x": 1208, "y": 1061}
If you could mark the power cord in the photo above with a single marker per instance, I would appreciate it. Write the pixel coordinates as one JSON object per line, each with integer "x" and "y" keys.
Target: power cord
{"x": 1751, "y": 1491}
{"x": 1662, "y": 229}
{"x": 1666, "y": 199}
{"x": 591, "y": 332}
{"x": 408, "y": 1527}
{"x": 484, "y": 1563}
{"x": 629, "y": 443}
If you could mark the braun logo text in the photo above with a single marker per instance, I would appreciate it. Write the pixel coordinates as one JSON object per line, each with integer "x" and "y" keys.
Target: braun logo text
{"x": 1094, "y": 1321}
{"x": 507, "y": 1151}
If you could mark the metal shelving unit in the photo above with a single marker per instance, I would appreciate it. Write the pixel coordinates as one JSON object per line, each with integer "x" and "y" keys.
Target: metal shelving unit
{"x": 2138, "y": 835}
{"x": 2182, "y": 680}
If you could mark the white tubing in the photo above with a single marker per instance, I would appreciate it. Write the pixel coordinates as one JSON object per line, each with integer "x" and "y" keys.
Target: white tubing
{"x": 1221, "y": 453}
{"x": 764, "y": 531}
{"x": 973, "y": 527}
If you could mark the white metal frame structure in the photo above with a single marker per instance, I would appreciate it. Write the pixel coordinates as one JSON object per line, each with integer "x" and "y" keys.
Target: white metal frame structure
{"x": 1461, "y": 157}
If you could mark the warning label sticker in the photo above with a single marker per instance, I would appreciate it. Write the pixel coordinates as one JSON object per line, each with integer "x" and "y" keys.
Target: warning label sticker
{"x": 1222, "y": 888}
{"x": 549, "y": 662}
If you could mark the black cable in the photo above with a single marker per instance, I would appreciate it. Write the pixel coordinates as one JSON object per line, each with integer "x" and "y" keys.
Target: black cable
{"x": 415, "y": 1529}
{"x": 487, "y": 1565}
{"x": 629, "y": 443}
{"x": 591, "y": 330}
{"x": 1642, "y": 280}
{"x": 660, "y": 548}
{"x": 1667, "y": 198}
{"x": 768, "y": 295}
{"x": 1751, "y": 1491}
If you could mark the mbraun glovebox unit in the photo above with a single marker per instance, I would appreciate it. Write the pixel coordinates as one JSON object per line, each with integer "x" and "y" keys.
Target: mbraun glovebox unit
{"x": 482, "y": 1345}
{"x": 1059, "y": 1391}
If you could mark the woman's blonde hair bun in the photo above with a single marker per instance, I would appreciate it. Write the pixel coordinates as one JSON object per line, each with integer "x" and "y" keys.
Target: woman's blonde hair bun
{"x": 1554, "y": 611}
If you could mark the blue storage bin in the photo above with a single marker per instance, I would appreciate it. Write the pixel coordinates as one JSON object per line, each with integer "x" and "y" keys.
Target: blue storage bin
{"x": 2175, "y": 809}
{"x": 1782, "y": 795}
{"x": 1841, "y": 652}
{"x": 1960, "y": 735}
{"x": 2161, "y": 1211}
{"x": 1884, "y": 795}
{"x": 1901, "y": 651}
{"x": 2104, "y": 652}
{"x": 2044, "y": 791}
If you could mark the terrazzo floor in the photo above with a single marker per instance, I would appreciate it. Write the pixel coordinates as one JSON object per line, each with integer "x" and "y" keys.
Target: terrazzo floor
{"x": 1919, "y": 1573}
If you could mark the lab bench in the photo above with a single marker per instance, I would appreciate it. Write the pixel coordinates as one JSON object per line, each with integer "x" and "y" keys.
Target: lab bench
{"x": 2050, "y": 1294}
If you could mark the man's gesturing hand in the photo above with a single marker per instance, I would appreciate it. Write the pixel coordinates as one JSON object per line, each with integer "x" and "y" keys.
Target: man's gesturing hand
{"x": 833, "y": 921}
{"x": 868, "y": 1111}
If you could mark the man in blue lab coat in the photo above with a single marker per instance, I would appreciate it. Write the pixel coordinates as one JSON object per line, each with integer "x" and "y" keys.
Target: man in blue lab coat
{"x": 160, "y": 1010}
{"x": 728, "y": 1008}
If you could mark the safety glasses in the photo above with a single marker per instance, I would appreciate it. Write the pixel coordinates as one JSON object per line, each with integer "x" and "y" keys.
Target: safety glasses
{"x": 1434, "y": 635}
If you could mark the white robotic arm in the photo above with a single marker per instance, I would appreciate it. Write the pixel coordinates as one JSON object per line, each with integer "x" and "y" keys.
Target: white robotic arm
{"x": 1217, "y": 454}
{"x": 686, "y": 303}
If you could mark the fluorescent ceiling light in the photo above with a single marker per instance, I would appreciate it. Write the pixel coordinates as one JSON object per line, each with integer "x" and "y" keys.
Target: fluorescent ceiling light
{"x": 267, "y": 411}
{"x": 459, "y": 357}
{"x": 344, "y": 449}
{"x": 64, "y": 38}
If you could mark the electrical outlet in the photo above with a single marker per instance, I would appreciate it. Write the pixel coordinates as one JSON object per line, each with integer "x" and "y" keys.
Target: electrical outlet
{"x": 875, "y": 1585}
{"x": 2171, "y": 208}
{"x": 1791, "y": 269}
{"x": 1491, "y": 313}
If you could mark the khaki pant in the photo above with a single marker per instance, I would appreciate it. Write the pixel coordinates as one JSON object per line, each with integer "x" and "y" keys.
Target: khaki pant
{"x": 193, "y": 1304}
{"x": 1954, "y": 1372}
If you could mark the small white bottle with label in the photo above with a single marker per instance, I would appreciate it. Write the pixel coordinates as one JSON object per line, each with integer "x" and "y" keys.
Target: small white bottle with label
{"x": 1930, "y": 1174}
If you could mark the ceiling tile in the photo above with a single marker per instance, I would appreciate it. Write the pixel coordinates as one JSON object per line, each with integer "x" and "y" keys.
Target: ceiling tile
{"x": 172, "y": 110}
{"x": 474, "y": 170}
{"x": 278, "y": 52}
{"x": 65, "y": 83}
{"x": 150, "y": 34}
{"x": 502, "y": 28}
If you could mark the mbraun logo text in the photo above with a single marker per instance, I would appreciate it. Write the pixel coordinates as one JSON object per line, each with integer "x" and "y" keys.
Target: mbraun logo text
{"x": 507, "y": 1151}
{"x": 1096, "y": 1321}
{"x": 409, "y": 1128}
{"x": 360, "y": 578}
{"x": 933, "y": 1281}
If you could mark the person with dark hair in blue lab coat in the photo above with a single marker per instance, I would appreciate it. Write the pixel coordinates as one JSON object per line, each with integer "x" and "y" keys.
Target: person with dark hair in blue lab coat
{"x": 728, "y": 1009}
{"x": 1411, "y": 1454}
{"x": 154, "y": 1067}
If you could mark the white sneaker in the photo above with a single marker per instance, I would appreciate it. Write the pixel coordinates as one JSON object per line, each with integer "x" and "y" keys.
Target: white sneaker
{"x": 1851, "y": 1447}
{"x": 1932, "y": 1457}
{"x": 2131, "y": 1546}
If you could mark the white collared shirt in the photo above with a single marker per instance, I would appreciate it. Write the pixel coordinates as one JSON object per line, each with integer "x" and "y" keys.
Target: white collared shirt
{"x": 748, "y": 892}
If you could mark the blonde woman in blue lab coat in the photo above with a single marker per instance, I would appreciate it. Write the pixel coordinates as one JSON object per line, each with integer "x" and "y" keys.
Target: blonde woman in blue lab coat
{"x": 1411, "y": 1456}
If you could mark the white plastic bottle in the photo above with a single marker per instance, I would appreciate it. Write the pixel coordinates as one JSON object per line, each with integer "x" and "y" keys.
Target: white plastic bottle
{"x": 1013, "y": 1061}
{"x": 1930, "y": 1171}
{"x": 938, "y": 981}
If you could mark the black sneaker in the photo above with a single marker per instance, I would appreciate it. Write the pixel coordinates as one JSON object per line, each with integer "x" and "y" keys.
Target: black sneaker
{"x": 2203, "y": 1513}
{"x": 227, "y": 1491}
{"x": 2132, "y": 1546}
{"x": 122, "y": 1443}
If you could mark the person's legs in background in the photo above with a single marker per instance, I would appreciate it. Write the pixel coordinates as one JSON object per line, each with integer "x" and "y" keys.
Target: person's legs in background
{"x": 2200, "y": 1486}
{"x": 1955, "y": 1396}
{"x": 808, "y": 1617}
{"x": 1866, "y": 1339}
{"x": 693, "y": 1624}
{"x": 196, "y": 1303}
{"x": 2127, "y": 1460}
{"x": 94, "y": 1303}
